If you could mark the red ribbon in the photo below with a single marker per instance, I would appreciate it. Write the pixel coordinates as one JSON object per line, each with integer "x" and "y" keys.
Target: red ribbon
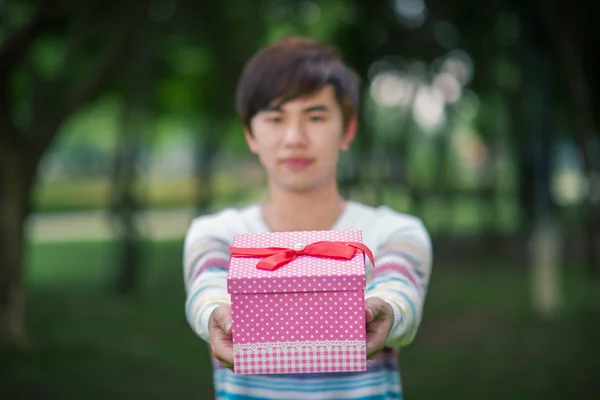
{"x": 279, "y": 256}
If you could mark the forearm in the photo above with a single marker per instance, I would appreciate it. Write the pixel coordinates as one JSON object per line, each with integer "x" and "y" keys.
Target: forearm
{"x": 406, "y": 303}
{"x": 206, "y": 283}
{"x": 207, "y": 293}
{"x": 401, "y": 278}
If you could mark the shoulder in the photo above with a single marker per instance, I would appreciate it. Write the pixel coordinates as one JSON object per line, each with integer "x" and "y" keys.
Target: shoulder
{"x": 383, "y": 216}
{"x": 221, "y": 225}
{"x": 383, "y": 223}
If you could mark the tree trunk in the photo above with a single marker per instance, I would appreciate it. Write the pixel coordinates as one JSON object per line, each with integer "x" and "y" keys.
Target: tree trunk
{"x": 207, "y": 145}
{"x": 129, "y": 251}
{"x": 521, "y": 139}
{"x": 15, "y": 187}
{"x": 569, "y": 44}
{"x": 593, "y": 233}
{"x": 441, "y": 185}
{"x": 545, "y": 250}
{"x": 137, "y": 102}
{"x": 585, "y": 128}
{"x": 125, "y": 201}
{"x": 21, "y": 150}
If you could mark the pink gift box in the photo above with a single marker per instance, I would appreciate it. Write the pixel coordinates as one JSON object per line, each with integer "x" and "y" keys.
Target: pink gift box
{"x": 307, "y": 316}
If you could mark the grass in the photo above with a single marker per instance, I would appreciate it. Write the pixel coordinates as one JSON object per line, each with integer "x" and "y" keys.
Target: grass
{"x": 479, "y": 340}
{"x": 92, "y": 343}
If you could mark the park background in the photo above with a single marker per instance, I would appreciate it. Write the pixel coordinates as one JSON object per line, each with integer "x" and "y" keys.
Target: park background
{"x": 117, "y": 127}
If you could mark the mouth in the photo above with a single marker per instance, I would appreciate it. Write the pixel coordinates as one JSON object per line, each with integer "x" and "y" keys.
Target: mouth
{"x": 297, "y": 162}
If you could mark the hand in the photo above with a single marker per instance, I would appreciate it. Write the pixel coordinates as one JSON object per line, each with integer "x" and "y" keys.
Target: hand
{"x": 219, "y": 331}
{"x": 380, "y": 318}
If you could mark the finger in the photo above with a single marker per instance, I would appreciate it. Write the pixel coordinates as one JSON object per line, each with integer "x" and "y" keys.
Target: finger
{"x": 375, "y": 344}
{"x": 373, "y": 354}
{"x": 376, "y": 308}
{"x": 368, "y": 314}
{"x": 222, "y": 348}
{"x": 376, "y": 312}
{"x": 372, "y": 310}
{"x": 220, "y": 336}
{"x": 373, "y": 350}
{"x": 225, "y": 364}
{"x": 223, "y": 318}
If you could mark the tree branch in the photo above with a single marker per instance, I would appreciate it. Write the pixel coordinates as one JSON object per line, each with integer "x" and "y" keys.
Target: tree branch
{"x": 12, "y": 52}
{"x": 17, "y": 45}
{"x": 79, "y": 28}
{"x": 77, "y": 31}
{"x": 91, "y": 85}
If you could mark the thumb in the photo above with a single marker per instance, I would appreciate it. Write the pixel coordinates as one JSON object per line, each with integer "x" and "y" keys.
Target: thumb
{"x": 223, "y": 318}
{"x": 372, "y": 309}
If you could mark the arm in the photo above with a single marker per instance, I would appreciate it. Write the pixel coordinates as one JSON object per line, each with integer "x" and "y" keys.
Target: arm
{"x": 206, "y": 259}
{"x": 401, "y": 276}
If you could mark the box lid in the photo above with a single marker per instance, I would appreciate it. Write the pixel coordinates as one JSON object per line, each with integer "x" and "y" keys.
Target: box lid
{"x": 306, "y": 273}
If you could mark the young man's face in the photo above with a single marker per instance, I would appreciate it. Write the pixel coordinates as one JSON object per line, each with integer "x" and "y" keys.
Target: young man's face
{"x": 298, "y": 143}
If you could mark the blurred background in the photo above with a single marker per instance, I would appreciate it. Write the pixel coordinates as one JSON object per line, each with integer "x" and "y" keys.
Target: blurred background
{"x": 117, "y": 127}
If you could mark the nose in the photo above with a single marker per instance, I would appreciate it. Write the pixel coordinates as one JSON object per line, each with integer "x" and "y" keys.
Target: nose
{"x": 295, "y": 135}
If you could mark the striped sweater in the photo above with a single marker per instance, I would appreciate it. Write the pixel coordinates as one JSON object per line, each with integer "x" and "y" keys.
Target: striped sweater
{"x": 401, "y": 274}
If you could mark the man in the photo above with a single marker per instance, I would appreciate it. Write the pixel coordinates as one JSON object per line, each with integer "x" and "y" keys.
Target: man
{"x": 298, "y": 103}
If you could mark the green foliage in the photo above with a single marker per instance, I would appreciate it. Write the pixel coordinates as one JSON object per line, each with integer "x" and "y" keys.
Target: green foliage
{"x": 170, "y": 127}
{"x": 177, "y": 96}
{"x": 47, "y": 55}
{"x": 192, "y": 62}
{"x": 16, "y": 13}
{"x": 506, "y": 74}
{"x": 187, "y": 67}
{"x": 199, "y": 50}
{"x": 317, "y": 19}
{"x": 236, "y": 139}
{"x": 507, "y": 29}
{"x": 21, "y": 110}
{"x": 477, "y": 321}
{"x": 94, "y": 125}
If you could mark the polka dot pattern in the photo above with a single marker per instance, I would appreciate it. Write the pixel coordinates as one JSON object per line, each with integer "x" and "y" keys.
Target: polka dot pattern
{"x": 304, "y": 273}
{"x": 292, "y": 317}
{"x": 309, "y": 299}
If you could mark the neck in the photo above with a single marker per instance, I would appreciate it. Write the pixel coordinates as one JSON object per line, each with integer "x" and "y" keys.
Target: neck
{"x": 286, "y": 210}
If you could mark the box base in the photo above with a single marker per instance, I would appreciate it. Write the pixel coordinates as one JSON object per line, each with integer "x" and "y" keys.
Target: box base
{"x": 300, "y": 357}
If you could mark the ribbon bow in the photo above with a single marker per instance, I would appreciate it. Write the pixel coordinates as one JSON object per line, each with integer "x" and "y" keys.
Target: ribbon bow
{"x": 279, "y": 256}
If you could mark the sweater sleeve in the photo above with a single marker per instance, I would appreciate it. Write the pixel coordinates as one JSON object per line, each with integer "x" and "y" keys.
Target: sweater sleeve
{"x": 205, "y": 265}
{"x": 403, "y": 263}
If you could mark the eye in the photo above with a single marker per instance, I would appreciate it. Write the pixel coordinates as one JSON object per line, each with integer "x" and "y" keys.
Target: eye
{"x": 316, "y": 118}
{"x": 275, "y": 120}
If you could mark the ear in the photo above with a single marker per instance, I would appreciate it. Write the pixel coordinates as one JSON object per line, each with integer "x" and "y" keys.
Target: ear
{"x": 251, "y": 140}
{"x": 349, "y": 133}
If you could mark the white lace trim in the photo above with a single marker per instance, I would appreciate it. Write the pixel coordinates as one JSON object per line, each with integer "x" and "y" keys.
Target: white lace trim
{"x": 313, "y": 345}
